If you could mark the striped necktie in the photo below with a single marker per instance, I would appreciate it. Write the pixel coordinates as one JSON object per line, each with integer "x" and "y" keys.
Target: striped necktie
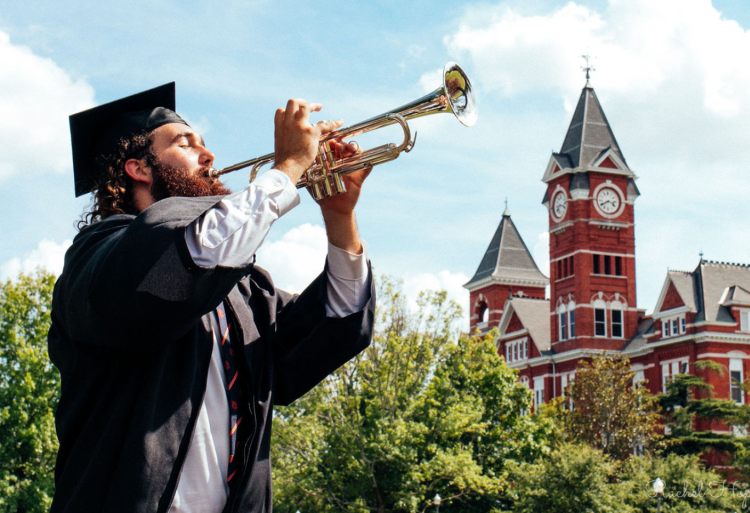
{"x": 233, "y": 388}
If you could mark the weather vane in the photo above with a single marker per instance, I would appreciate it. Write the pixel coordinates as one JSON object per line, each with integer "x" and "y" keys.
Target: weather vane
{"x": 588, "y": 68}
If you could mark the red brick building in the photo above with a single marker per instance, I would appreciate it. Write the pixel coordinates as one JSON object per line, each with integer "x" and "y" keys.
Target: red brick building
{"x": 592, "y": 308}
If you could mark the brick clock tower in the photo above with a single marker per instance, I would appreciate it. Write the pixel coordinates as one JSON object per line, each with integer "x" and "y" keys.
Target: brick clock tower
{"x": 591, "y": 310}
{"x": 590, "y": 200}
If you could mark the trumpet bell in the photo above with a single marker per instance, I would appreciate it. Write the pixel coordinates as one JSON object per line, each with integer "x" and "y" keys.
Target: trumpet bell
{"x": 461, "y": 99}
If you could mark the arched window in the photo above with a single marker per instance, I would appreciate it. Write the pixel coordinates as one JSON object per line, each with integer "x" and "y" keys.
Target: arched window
{"x": 617, "y": 318}
{"x": 481, "y": 309}
{"x": 572, "y": 318}
{"x": 600, "y": 318}
{"x": 562, "y": 322}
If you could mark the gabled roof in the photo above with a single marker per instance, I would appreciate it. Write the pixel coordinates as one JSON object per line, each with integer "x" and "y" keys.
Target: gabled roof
{"x": 507, "y": 259}
{"x": 534, "y": 316}
{"x": 714, "y": 278}
{"x": 710, "y": 289}
{"x": 684, "y": 283}
{"x": 562, "y": 160}
{"x": 589, "y": 135}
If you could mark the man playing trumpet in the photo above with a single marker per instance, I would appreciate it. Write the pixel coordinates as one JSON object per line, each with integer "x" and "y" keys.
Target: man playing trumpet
{"x": 172, "y": 345}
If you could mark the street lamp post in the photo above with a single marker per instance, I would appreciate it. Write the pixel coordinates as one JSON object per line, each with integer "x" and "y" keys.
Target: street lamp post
{"x": 436, "y": 500}
{"x": 658, "y": 487}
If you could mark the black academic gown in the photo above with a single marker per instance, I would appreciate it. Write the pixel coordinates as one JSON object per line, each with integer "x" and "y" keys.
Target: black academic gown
{"x": 131, "y": 337}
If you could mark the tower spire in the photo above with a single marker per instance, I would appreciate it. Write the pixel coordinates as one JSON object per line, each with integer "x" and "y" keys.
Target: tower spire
{"x": 589, "y": 134}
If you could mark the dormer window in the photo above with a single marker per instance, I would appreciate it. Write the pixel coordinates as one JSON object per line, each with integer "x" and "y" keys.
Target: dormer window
{"x": 517, "y": 350}
{"x": 673, "y": 326}
{"x": 745, "y": 319}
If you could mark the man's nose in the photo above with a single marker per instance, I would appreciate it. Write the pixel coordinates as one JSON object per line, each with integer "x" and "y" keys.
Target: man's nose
{"x": 207, "y": 157}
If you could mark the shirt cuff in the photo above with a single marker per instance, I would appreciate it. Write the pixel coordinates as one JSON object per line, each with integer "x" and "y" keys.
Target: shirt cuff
{"x": 345, "y": 265}
{"x": 273, "y": 180}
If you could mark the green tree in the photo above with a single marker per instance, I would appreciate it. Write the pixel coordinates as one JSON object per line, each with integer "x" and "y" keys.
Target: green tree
{"x": 417, "y": 413}
{"x": 688, "y": 486}
{"x": 609, "y": 413}
{"x": 574, "y": 478}
{"x": 29, "y": 392}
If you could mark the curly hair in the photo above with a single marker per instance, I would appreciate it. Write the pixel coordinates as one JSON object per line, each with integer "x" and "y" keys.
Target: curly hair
{"x": 112, "y": 190}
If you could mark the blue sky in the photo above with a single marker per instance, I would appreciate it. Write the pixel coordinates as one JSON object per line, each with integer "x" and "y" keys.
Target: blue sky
{"x": 671, "y": 76}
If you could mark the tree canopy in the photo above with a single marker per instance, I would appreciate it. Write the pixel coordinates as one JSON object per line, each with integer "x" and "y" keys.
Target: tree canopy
{"x": 415, "y": 415}
{"x": 29, "y": 392}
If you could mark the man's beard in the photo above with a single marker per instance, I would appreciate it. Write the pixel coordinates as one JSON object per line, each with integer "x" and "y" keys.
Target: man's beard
{"x": 172, "y": 181}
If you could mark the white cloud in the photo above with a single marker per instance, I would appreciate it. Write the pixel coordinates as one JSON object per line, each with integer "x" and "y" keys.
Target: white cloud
{"x": 48, "y": 255}
{"x": 295, "y": 259}
{"x": 672, "y": 63}
{"x": 36, "y": 98}
{"x": 298, "y": 257}
{"x": 517, "y": 53}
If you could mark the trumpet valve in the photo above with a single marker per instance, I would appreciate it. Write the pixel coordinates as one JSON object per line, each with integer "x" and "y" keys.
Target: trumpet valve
{"x": 315, "y": 191}
{"x": 338, "y": 184}
{"x": 327, "y": 187}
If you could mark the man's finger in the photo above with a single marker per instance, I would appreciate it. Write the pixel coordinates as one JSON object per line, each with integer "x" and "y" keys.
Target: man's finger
{"x": 302, "y": 110}
{"x": 292, "y": 107}
{"x": 278, "y": 122}
{"x": 328, "y": 126}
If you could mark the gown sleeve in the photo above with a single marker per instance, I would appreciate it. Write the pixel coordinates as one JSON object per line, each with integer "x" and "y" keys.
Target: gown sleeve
{"x": 308, "y": 345}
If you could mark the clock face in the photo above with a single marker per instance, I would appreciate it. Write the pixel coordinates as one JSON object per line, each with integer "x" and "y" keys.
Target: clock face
{"x": 559, "y": 205}
{"x": 608, "y": 200}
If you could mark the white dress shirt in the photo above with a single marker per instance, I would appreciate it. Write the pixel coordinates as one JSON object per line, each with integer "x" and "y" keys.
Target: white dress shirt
{"x": 229, "y": 234}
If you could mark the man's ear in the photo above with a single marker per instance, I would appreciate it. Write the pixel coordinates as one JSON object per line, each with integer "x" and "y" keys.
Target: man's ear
{"x": 138, "y": 171}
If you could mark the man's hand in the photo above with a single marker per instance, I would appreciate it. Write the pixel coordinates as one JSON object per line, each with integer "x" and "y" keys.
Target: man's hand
{"x": 295, "y": 139}
{"x": 338, "y": 210}
{"x": 296, "y": 144}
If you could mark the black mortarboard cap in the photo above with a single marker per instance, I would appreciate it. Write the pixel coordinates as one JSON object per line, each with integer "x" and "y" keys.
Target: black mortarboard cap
{"x": 96, "y": 131}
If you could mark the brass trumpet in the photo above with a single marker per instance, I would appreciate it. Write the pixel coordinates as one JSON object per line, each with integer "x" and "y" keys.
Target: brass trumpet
{"x": 323, "y": 177}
